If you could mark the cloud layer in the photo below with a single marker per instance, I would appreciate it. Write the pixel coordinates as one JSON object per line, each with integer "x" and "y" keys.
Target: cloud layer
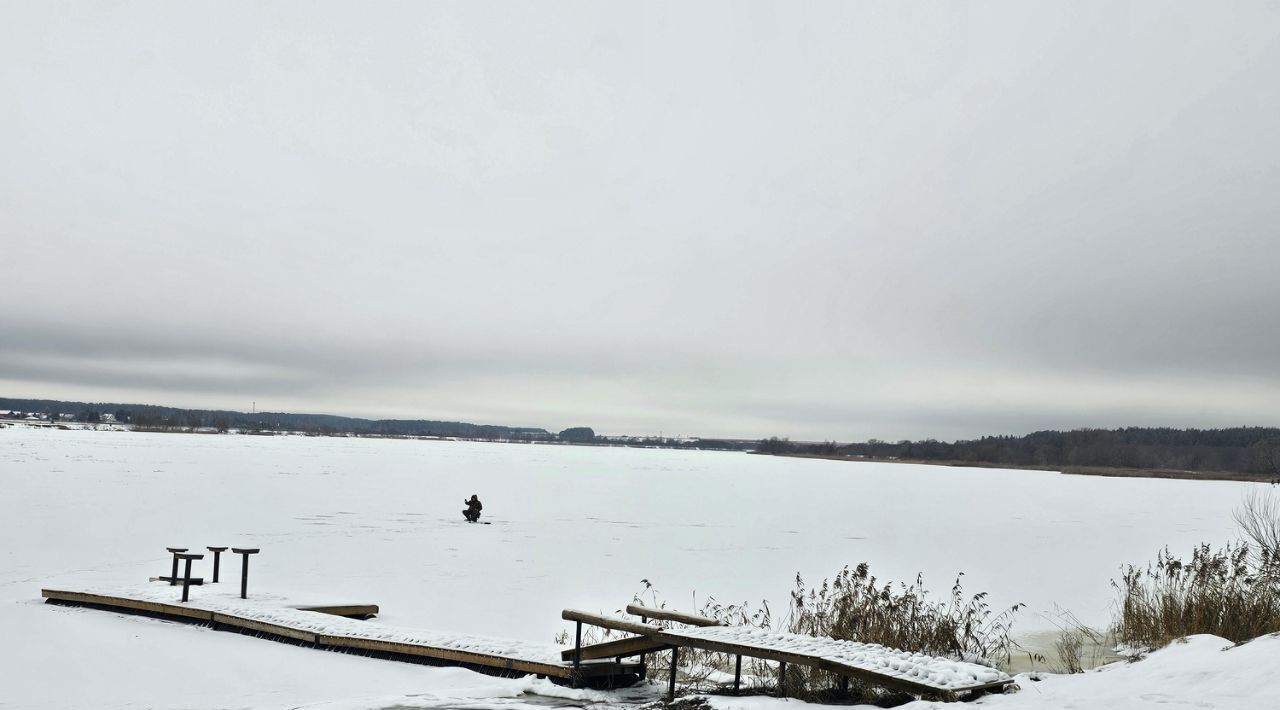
{"x": 822, "y": 221}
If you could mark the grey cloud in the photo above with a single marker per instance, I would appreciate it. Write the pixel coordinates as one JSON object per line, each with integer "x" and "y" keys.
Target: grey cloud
{"x": 826, "y": 220}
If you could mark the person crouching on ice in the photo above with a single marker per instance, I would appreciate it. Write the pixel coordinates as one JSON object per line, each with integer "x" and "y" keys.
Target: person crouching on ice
{"x": 472, "y": 513}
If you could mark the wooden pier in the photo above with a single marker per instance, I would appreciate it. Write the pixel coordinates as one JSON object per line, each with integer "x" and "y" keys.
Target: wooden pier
{"x": 342, "y": 627}
{"x": 333, "y": 627}
{"x": 871, "y": 664}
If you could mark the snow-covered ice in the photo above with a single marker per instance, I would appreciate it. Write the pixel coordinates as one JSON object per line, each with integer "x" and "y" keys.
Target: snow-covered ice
{"x": 360, "y": 520}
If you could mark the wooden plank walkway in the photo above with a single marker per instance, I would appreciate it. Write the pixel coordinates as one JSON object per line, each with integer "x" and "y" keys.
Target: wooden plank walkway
{"x": 913, "y": 673}
{"x": 324, "y": 626}
{"x": 335, "y": 626}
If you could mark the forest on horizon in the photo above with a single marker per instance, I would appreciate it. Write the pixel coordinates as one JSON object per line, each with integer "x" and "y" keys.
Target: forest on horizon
{"x": 1253, "y": 450}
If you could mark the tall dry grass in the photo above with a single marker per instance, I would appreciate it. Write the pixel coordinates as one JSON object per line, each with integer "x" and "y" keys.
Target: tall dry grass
{"x": 853, "y": 605}
{"x": 1232, "y": 592}
{"x": 856, "y": 606}
{"x": 1079, "y": 647}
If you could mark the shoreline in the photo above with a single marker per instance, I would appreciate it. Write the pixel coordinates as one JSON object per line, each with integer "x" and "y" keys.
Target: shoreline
{"x": 1104, "y": 471}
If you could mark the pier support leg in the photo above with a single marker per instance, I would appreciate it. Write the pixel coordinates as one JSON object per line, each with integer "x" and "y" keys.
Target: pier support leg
{"x": 844, "y": 685}
{"x": 737, "y": 676}
{"x": 782, "y": 679}
{"x": 577, "y": 654}
{"x": 644, "y": 667}
{"x": 671, "y": 682}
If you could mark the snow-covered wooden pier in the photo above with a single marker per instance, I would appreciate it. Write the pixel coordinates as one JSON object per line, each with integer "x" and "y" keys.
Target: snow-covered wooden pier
{"x": 343, "y": 627}
{"x": 338, "y": 627}
{"x": 914, "y": 673}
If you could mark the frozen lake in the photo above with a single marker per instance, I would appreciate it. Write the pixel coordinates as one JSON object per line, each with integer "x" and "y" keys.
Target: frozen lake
{"x": 573, "y": 526}
{"x": 379, "y": 520}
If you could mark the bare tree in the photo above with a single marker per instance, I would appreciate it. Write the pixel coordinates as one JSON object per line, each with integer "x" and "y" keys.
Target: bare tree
{"x": 1259, "y": 519}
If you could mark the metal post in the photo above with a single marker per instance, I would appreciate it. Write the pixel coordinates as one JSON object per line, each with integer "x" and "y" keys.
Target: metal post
{"x": 244, "y": 552}
{"x": 173, "y": 575}
{"x": 782, "y": 679}
{"x": 671, "y": 682}
{"x": 186, "y": 580}
{"x": 217, "y": 555}
{"x": 737, "y": 675}
{"x": 186, "y": 574}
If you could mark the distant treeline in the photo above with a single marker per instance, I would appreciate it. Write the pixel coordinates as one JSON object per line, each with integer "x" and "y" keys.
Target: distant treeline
{"x": 1240, "y": 449}
{"x": 148, "y": 416}
{"x": 1252, "y": 450}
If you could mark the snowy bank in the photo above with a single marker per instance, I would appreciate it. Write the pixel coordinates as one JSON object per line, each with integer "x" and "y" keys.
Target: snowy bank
{"x": 1204, "y": 672}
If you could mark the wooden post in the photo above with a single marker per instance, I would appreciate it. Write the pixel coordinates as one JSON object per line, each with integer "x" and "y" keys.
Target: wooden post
{"x": 244, "y": 552}
{"x": 782, "y": 679}
{"x": 844, "y": 684}
{"x": 668, "y": 615}
{"x": 173, "y": 575}
{"x": 607, "y": 622}
{"x": 737, "y": 675}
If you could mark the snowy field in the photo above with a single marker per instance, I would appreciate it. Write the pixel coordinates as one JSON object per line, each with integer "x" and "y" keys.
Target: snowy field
{"x": 361, "y": 520}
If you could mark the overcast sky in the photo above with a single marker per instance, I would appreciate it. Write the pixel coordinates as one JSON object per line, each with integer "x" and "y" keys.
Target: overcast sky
{"x": 817, "y": 220}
